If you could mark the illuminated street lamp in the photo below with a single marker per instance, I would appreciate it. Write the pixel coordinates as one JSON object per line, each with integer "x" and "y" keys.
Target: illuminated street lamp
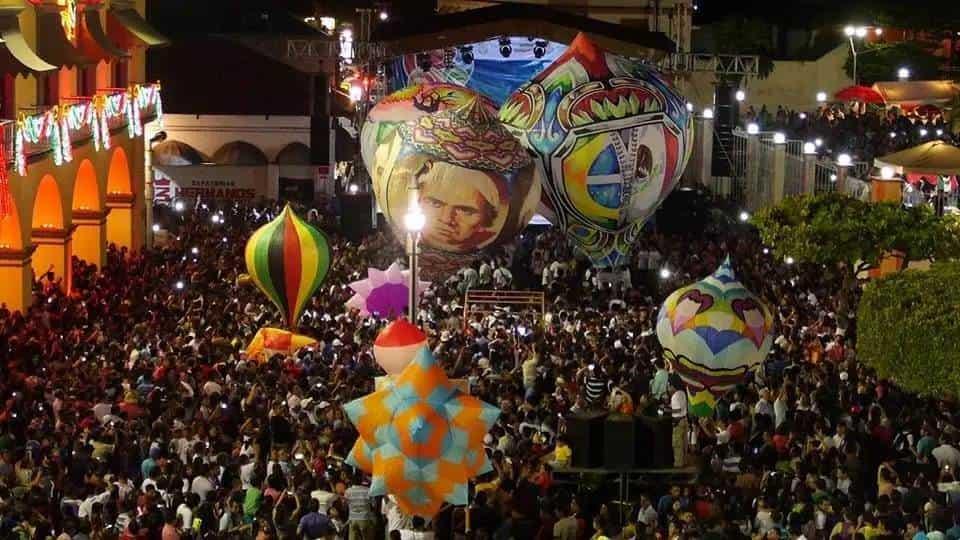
{"x": 413, "y": 221}
{"x": 903, "y": 73}
{"x": 821, "y": 97}
{"x": 740, "y": 95}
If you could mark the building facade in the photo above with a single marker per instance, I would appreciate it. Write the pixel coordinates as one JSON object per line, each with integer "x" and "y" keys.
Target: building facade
{"x": 75, "y": 107}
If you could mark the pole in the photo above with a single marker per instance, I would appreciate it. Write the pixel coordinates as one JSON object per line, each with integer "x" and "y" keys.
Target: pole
{"x": 412, "y": 241}
{"x": 853, "y": 49}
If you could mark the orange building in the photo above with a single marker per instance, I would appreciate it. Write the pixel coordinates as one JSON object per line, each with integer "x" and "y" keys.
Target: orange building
{"x": 74, "y": 104}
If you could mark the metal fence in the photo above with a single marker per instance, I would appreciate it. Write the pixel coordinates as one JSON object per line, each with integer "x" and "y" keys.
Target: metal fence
{"x": 761, "y": 176}
{"x": 761, "y": 171}
{"x": 824, "y": 177}
{"x": 793, "y": 179}
{"x": 736, "y": 188}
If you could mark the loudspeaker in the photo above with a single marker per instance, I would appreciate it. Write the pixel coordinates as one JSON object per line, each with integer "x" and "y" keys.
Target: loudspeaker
{"x": 355, "y": 215}
{"x": 654, "y": 442}
{"x": 585, "y": 434}
{"x": 620, "y": 442}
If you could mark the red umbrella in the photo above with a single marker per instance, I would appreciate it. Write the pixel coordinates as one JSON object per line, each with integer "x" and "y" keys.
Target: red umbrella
{"x": 864, "y": 94}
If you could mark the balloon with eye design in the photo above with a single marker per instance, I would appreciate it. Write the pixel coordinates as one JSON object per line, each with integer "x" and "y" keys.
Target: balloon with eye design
{"x": 613, "y": 139}
{"x": 712, "y": 333}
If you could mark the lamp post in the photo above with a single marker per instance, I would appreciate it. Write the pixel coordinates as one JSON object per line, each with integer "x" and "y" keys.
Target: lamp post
{"x": 852, "y": 32}
{"x": 413, "y": 222}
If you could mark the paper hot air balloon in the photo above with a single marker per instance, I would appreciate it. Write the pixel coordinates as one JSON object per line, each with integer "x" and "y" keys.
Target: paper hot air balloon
{"x": 476, "y": 184}
{"x": 397, "y": 344}
{"x": 385, "y": 293}
{"x": 421, "y": 438}
{"x": 713, "y": 332}
{"x": 288, "y": 260}
{"x": 270, "y": 341}
{"x": 613, "y": 139}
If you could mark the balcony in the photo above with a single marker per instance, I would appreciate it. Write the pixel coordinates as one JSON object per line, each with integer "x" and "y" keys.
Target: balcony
{"x": 78, "y": 120}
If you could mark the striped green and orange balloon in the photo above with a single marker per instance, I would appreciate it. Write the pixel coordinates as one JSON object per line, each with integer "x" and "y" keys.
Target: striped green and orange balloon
{"x": 288, "y": 259}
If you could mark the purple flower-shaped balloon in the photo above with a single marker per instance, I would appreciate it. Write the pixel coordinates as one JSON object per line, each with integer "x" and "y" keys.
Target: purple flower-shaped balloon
{"x": 385, "y": 293}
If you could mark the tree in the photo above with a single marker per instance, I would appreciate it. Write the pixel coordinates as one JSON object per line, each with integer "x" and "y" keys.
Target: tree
{"x": 852, "y": 236}
{"x": 881, "y": 62}
{"x": 907, "y": 326}
{"x": 744, "y": 35}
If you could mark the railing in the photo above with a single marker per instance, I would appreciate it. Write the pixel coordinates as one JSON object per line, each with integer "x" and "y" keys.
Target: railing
{"x": 793, "y": 179}
{"x": 755, "y": 169}
{"x": 720, "y": 64}
{"x": 79, "y": 119}
{"x": 825, "y": 177}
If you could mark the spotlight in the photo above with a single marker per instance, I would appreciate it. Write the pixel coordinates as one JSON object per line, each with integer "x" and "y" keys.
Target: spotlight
{"x": 179, "y": 285}
{"x": 689, "y": 107}
{"x": 939, "y": 133}
{"x": 215, "y": 218}
{"x": 384, "y": 15}
{"x": 818, "y": 142}
{"x": 766, "y": 251}
{"x": 893, "y": 134}
{"x": 466, "y": 54}
{"x": 506, "y": 49}
{"x": 156, "y": 228}
{"x": 744, "y": 216}
{"x": 178, "y": 206}
{"x": 195, "y": 250}
{"x": 789, "y": 260}
{"x": 354, "y": 189}
{"x": 923, "y": 132}
{"x": 740, "y": 95}
{"x": 664, "y": 273}
{"x": 539, "y": 48}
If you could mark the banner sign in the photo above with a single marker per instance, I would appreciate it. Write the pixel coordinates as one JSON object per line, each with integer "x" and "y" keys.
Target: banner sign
{"x": 210, "y": 182}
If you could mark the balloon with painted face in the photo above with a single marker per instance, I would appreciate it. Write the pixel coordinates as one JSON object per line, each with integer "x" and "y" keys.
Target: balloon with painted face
{"x": 712, "y": 333}
{"x": 612, "y": 138}
{"x": 476, "y": 185}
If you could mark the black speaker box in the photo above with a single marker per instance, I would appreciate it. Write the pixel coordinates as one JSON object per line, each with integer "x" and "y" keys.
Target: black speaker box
{"x": 620, "y": 450}
{"x": 654, "y": 442}
{"x": 356, "y": 215}
{"x": 585, "y": 434}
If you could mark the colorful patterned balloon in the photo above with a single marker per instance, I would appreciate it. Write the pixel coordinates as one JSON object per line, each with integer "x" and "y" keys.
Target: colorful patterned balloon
{"x": 288, "y": 259}
{"x": 477, "y": 186}
{"x": 421, "y": 438}
{"x": 613, "y": 138}
{"x": 713, "y": 332}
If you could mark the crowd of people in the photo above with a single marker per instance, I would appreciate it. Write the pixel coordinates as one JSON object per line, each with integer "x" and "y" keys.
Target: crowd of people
{"x": 864, "y": 132}
{"x": 130, "y": 411}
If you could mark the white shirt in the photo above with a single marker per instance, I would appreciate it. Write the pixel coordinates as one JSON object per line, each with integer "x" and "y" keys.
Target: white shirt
{"x": 87, "y": 505}
{"x": 764, "y": 407}
{"x": 201, "y": 485}
{"x": 246, "y": 475}
{"x": 186, "y": 517}
{"x": 678, "y": 404}
{"x": 647, "y": 515}
{"x": 947, "y": 455}
{"x": 396, "y": 521}
{"x": 416, "y": 535}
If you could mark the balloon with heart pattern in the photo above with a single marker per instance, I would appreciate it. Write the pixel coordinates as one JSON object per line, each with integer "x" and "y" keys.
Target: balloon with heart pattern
{"x": 712, "y": 333}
